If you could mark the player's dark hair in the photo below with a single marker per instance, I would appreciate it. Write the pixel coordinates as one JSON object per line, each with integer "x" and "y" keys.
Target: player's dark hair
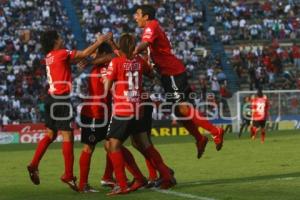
{"x": 127, "y": 44}
{"x": 260, "y": 93}
{"x": 48, "y": 39}
{"x": 148, "y": 10}
{"x": 105, "y": 48}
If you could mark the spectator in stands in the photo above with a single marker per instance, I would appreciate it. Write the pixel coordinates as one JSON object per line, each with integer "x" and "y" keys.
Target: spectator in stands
{"x": 296, "y": 56}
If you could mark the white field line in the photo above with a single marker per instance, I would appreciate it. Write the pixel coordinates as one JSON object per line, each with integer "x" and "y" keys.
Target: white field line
{"x": 183, "y": 195}
{"x": 246, "y": 181}
{"x": 192, "y": 196}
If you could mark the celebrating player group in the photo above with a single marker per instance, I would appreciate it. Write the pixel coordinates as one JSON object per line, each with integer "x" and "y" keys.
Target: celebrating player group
{"x": 116, "y": 107}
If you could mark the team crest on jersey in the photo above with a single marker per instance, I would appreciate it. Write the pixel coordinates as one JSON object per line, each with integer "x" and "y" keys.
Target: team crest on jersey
{"x": 148, "y": 33}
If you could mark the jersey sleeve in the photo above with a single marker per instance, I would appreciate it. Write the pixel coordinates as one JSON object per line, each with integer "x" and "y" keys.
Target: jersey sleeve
{"x": 68, "y": 54}
{"x": 150, "y": 33}
{"x": 112, "y": 72}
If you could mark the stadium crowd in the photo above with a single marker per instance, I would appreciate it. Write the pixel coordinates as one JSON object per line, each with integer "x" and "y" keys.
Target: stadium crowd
{"x": 22, "y": 79}
{"x": 257, "y": 20}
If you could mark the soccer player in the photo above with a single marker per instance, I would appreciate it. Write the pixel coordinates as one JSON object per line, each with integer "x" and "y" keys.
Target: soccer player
{"x": 58, "y": 107}
{"x": 174, "y": 78}
{"x": 125, "y": 72}
{"x": 142, "y": 142}
{"x": 246, "y": 115}
{"x": 94, "y": 117}
{"x": 260, "y": 112}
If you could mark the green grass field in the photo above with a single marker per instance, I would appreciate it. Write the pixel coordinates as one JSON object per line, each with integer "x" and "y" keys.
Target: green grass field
{"x": 244, "y": 169}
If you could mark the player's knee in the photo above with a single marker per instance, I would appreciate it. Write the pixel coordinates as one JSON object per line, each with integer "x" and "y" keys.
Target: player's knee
{"x": 67, "y": 136}
{"x": 182, "y": 110}
{"x": 114, "y": 145}
{"x": 52, "y": 134}
{"x": 88, "y": 148}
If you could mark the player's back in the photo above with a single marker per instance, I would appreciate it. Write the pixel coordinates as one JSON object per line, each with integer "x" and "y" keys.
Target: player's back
{"x": 127, "y": 76}
{"x": 160, "y": 48}
{"x": 96, "y": 101}
{"x": 59, "y": 71}
{"x": 259, "y": 108}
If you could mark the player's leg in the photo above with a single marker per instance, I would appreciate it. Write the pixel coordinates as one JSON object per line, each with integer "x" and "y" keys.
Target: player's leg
{"x": 116, "y": 134}
{"x": 49, "y": 137}
{"x": 178, "y": 86}
{"x": 150, "y": 153}
{"x": 151, "y": 168}
{"x": 132, "y": 167}
{"x": 62, "y": 114}
{"x": 68, "y": 154}
{"x": 84, "y": 166}
{"x": 242, "y": 129}
{"x": 39, "y": 152}
{"x": 263, "y": 131}
{"x": 254, "y": 128}
{"x": 199, "y": 120}
{"x": 107, "y": 178}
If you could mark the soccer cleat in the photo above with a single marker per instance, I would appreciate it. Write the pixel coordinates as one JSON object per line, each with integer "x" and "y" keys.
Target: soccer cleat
{"x": 88, "y": 189}
{"x": 34, "y": 174}
{"x": 108, "y": 183}
{"x": 218, "y": 139}
{"x": 168, "y": 184}
{"x": 150, "y": 183}
{"x": 118, "y": 191}
{"x": 71, "y": 182}
{"x": 137, "y": 184}
{"x": 201, "y": 146}
{"x": 165, "y": 184}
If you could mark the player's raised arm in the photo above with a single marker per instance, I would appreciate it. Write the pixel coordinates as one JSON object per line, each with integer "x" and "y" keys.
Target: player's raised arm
{"x": 141, "y": 47}
{"x": 103, "y": 59}
{"x": 91, "y": 49}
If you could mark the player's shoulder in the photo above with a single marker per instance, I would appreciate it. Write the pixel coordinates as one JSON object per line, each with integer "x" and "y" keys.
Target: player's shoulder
{"x": 152, "y": 24}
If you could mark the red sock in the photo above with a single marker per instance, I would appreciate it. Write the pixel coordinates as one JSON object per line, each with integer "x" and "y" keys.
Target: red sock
{"x": 263, "y": 135}
{"x": 40, "y": 150}
{"x": 109, "y": 169}
{"x": 253, "y": 131}
{"x": 153, "y": 155}
{"x": 67, "y": 149}
{"x": 198, "y": 119}
{"x": 192, "y": 128}
{"x": 151, "y": 170}
{"x": 84, "y": 164}
{"x": 131, "y": 164}
{"x": 118, "y": 162}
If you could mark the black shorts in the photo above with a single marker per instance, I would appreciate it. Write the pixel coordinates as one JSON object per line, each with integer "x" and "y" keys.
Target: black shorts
{"x": 246, "y": 121}
{"x": 58, "y": 113}
{"x": 144, "y": 124}
{"x": 260, "y": 123}
{"x": 176, "y": 88}
{"x": 92, "y": 134}
{"x": 121, "y": 128}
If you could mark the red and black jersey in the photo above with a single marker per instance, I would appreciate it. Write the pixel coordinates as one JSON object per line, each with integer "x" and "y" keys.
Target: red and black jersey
{"x": 58, "y": 68}
{"x": 260, "y": 108}
{"x": 160, "y": 50}
{"x": 127, "y": 77}
{"x": 97, "y": 105}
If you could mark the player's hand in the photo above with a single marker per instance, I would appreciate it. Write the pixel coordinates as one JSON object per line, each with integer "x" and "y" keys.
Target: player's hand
{"x": 103, "y": 38}
{"x": 110, "y": 36}
{"x": 82, "y": 64}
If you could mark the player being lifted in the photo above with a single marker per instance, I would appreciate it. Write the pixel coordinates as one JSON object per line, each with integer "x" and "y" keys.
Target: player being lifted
{"x": 58, "y": 107}
{"x": 260, "y": 112}
{"x": 173, "y": 78}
